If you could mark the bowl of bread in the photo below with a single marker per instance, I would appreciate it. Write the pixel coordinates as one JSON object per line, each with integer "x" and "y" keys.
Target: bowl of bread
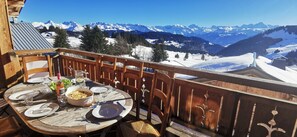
{"x": 79, "y": 96}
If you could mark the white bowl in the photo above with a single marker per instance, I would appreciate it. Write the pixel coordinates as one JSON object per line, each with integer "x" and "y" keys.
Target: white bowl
{"x": 79, "y": 102}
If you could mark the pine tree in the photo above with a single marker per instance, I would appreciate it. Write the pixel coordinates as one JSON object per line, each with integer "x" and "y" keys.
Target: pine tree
{"x": 159, "y": 53}
{"x": 51, "y": 28}
{"x": 176, "y": 56}
{"x": 61, "y": 39}
{"x": 186, "y": 56}
{"x": 86, "y": 39}
{"x": 203, "y": 57}
{"x": 98, "y": 42}
{"x": 120, "y": 47}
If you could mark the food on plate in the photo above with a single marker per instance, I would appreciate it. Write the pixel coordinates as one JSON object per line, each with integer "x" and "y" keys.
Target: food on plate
{"x": 67, "y": 83}
{"x": 78, "y": 94}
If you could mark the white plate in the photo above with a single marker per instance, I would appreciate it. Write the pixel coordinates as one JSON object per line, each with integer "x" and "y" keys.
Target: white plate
{"x": 98, "y": 89}
{"x": 37, "y": 111}
{"x": 107, "y": 111}
{"x": 36, "y": 80}
{"x": 21, "y": 95}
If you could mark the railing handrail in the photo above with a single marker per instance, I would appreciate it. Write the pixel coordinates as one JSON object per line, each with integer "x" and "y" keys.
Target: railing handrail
{"x": 273, "y": 85}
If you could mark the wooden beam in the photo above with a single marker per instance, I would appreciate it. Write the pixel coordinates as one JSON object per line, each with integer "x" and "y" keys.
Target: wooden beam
{"x": 32, "y": 52}
{"x": 15, "y": 3}
{"x": 10, "y": 70}
{"x": 14, "y": 13}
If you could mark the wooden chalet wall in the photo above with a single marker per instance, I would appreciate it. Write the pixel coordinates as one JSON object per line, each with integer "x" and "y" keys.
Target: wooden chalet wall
{"x": 10, "y": 70}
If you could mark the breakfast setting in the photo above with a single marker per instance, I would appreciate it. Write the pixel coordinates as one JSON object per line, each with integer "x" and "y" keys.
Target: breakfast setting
{"x": 75, "y": 105}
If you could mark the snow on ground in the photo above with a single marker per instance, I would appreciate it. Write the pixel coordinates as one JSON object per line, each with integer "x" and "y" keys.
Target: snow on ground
{"x": 233, "y": 63}
{"x": 145, "y": 53}
{"x": 293, "y": 67}
{"x": 74, "y": 42}
{"x": 173, "y": 43}
{"x": 192, "y": 60}
{"x": 283, "y": 75}
{"x": 48, "y": 34}
{"x": 110, "y": 41}
{"x": 266, "y": 60}
{"x": 287, "y": 44}
{"x": 284, "y": 50}
{"x": 151, "y": 41}
{"x": 50, "y": 40}
{"x": 227, "y": 63}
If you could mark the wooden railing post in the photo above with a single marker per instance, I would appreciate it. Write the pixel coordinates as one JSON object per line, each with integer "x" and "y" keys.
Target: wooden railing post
{"x": 97, "y": 68}
{"x": 10, "y": 70}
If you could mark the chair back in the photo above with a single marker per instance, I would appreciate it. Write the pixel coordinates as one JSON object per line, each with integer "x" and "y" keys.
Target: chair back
{"x": 37, "y": 66}
{"x": 131, "y": 81}
{"x": 160, "y": 96}
{"x": 107, "y": 70}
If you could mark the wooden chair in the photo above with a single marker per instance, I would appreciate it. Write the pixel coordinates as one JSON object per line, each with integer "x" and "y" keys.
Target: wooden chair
{"x": 36, "y": 65}
{"x": 162, "y": 90}
{"x": 131, "y": 81}
{"x": 3, "y": 106}
{"x": 9, "y": 127}
{"x": 107, "y": 70}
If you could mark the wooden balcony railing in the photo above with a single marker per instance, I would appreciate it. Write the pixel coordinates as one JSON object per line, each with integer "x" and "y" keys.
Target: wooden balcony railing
{"x": 202, "y": 106}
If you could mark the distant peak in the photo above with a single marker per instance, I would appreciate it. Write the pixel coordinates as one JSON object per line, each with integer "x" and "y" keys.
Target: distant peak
{"x": 193, "y": 26}
{"x": 257, "y": 25}
{"x": 49, "y": 22}
{"x": 69, "y": 22}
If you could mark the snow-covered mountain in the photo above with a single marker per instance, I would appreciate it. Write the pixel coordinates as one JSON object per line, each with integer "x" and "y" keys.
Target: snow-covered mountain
{"x": 273, "y": 43}
{"x": 69, "y": 26}
{"x": 222, "y": 35}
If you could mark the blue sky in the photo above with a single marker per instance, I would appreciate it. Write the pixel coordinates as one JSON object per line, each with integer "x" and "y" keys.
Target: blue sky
{"x": 163, "y": 12}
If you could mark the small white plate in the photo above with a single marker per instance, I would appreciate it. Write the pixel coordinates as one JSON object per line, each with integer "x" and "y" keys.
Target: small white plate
{"x": 21, "y": 95}
{"x": 37, "y": 111}
{"x": 36, "y": 80}
{"x": 98, "y": 89}
{"x": 107, "y": 111}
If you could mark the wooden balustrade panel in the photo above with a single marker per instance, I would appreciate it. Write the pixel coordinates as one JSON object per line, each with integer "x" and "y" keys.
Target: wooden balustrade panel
{"x": 264, "y": 117}
{"x": 148, "y": 79}
{"x": 203, "y": 106}
{"x": 78, "y": 64}
{"x": 183, "y": 99}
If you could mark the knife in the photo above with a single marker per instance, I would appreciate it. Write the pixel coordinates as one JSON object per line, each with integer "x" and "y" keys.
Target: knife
{"x": 121, "y": 105}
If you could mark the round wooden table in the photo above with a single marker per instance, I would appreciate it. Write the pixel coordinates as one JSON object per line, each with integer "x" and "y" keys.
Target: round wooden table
{"x": 69, "y": 120}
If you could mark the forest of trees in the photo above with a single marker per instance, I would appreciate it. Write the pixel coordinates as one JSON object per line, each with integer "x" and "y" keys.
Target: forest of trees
{"x": 94, "y": 40}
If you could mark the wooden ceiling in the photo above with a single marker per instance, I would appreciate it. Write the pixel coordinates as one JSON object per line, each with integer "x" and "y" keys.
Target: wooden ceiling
{"x": 15, "y": 7}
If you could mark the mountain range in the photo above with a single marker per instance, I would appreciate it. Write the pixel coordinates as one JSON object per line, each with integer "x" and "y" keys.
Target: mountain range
{"x": 222, "y": 35}
{"x": 267, "y": 40}
{"x": 273, "y": 43}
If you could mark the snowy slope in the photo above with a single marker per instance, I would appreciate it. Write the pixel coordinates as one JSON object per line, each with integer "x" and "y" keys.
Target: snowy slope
{"x": 227, "y": 63}
{"x": 145, "y": 53}
{"x": 233, "y": 63}
{"x": 287, "y": 44}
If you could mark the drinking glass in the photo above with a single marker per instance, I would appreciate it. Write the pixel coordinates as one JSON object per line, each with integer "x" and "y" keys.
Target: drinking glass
{"x": 104, "y": 95}
{"x": 28, "y": 100}
{"x": 62, "y": 100}
{"x": 79, "y": 77}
